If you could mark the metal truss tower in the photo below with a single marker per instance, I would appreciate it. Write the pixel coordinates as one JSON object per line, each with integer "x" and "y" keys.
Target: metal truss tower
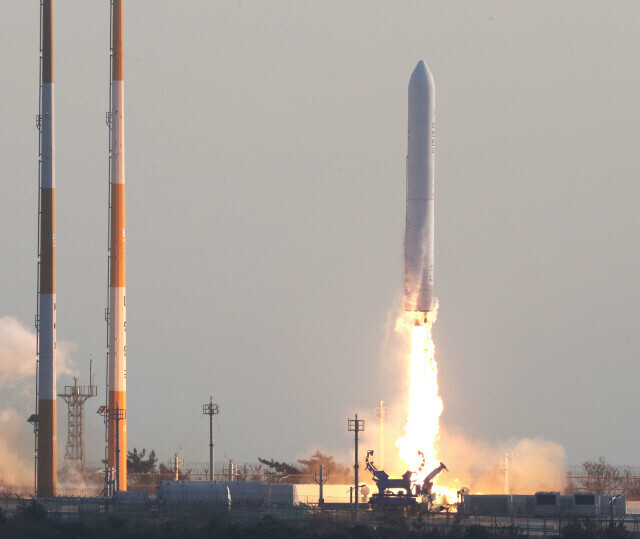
{"x": 75, "y": 396}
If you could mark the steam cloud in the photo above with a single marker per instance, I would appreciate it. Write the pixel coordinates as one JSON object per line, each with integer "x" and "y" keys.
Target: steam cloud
{"x": 17, "y": 385}
{"x": 534, "y": 464}
{"x": 18, "y": 353}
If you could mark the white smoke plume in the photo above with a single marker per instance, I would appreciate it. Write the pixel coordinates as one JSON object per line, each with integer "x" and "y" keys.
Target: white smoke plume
{"x": 530, "y": 464}
{"x": 18, "y": 353}
{"x": 17, "y": 398}
{"x": 16, "y": 441}
{"x": 533, "y": 465}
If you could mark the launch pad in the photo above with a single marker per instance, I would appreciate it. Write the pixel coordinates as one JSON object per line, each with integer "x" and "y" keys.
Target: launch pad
{"x": 412, "y": 491}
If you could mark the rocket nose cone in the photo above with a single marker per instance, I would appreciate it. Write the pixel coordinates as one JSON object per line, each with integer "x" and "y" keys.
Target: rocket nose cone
{"x": 421, "y": 75}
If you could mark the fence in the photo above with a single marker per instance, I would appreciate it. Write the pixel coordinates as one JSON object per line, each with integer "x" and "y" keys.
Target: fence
{"x": 94, "y": 511}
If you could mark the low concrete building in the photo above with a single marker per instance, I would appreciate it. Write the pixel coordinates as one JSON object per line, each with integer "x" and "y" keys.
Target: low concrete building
{"x": 543, "y": 504}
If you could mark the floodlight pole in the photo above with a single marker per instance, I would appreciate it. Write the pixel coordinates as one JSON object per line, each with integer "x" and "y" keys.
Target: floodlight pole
{"x": 120, "y": 413}
{"x": 612, "y": 502}
{"x": 210, "y": 409}
{"x": 321, "y": 480}
{"x": 356, "y": 425}
{"x": 113, "y": 414}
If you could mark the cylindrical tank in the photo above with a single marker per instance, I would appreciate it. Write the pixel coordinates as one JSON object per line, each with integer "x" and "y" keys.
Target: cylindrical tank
{"x": 132, "y": 496}
{"x": 176, "y": 492}
{"x": 245, "y": 492}
{"x": 281, "y": 493}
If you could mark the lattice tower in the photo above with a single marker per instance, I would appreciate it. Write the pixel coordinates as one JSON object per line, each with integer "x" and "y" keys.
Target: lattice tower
{"x": 75, "y": 396}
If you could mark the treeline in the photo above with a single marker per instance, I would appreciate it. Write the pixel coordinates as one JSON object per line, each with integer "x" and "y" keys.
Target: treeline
{"x": 600, "y": 477}
{"x": 302, "y": 471}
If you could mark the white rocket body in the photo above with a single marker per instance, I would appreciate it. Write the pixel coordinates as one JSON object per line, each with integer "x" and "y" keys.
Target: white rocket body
{"x": 419, "y": 232}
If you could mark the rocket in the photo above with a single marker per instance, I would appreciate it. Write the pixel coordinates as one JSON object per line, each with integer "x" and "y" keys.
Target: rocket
{"x": 46, "y": 468}
{"x": 117, "y": 320}
{"x": 419, "y": 232}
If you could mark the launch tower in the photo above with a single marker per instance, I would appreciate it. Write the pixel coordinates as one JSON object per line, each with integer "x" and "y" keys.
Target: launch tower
{"x": 75, "y": 396}
{"x": 44, "y": 419}
{"x": 115, "y": 412}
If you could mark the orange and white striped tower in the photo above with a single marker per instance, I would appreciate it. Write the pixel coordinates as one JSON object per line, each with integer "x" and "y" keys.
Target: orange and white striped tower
{"x": 46, "y": 469}
{"x": 117, "y": 423}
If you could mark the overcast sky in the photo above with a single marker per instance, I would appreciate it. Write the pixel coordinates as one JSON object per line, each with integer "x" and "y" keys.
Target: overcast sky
{"x": 265, "y": 171}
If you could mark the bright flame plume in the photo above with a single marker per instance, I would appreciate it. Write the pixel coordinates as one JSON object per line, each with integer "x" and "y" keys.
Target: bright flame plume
{"x": 425, "y": 405}
{"x": 418, "y": 447}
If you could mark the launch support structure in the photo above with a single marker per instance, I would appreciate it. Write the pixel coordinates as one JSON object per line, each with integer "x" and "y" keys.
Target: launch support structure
{"x": 115, "y": 415}
{"x": 75, "y": 396}
{"x": 45, "y": 417}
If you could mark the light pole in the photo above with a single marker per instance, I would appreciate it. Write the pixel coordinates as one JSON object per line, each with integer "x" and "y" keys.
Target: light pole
{"x": 356, "y": 425}
{"x": 321, "y": 480}
{"x": 612, "y": 502}
{"x": 210, "y": 409}
{"x": 116, "y": 414}
{"x": 271, "y": 477}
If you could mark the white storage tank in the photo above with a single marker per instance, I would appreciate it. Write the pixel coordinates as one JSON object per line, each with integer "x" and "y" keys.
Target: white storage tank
{"x": 132, "y": 496}
{"x": 244, "y": 492}
{"x": 178, "y": 492}
{"x": 280, "y": 493}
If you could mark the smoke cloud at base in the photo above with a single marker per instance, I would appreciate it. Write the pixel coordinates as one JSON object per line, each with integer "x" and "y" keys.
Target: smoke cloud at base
{"x": 17, "y": 388}
{"x": 534, "y": 464}
{"x": 16, "y": 442}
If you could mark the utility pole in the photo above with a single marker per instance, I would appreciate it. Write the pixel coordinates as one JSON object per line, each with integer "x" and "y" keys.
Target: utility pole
{"x": 381, "y": 412}
{"x": 321, "y": 480}
{"x": 356, "y": 425}
{"x": 178, "y": 464}
{"x": 210, "y": 409}
{"x": 270, "y": 478}
{"x": 121, "y": 414}
{"x": 116, "y": 415}
{"x": 508, "y": 465}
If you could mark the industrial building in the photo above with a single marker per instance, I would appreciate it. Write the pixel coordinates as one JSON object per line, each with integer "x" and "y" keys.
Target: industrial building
{"x": 543, "y": 504}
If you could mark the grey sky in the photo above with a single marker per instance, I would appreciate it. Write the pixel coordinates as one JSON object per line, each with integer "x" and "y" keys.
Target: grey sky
{"x": 265, "y": 169}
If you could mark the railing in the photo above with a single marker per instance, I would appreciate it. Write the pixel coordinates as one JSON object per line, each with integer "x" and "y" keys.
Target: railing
{"x": 101, "y": 511}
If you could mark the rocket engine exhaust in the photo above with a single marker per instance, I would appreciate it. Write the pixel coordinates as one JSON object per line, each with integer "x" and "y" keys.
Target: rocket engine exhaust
{"x": 419, "y": 231}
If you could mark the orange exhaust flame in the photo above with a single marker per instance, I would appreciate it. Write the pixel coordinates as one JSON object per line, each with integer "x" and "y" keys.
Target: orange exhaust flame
{"x": 418, "y": 446}
{"x": 425, "y": 405}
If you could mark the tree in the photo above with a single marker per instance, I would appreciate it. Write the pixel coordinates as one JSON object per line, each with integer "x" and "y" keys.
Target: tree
{"x": 136, "y": 463}
{"x": 602, "y": 477}
{"x": 280, "y": 467}
{"x": 336, "y": 472}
